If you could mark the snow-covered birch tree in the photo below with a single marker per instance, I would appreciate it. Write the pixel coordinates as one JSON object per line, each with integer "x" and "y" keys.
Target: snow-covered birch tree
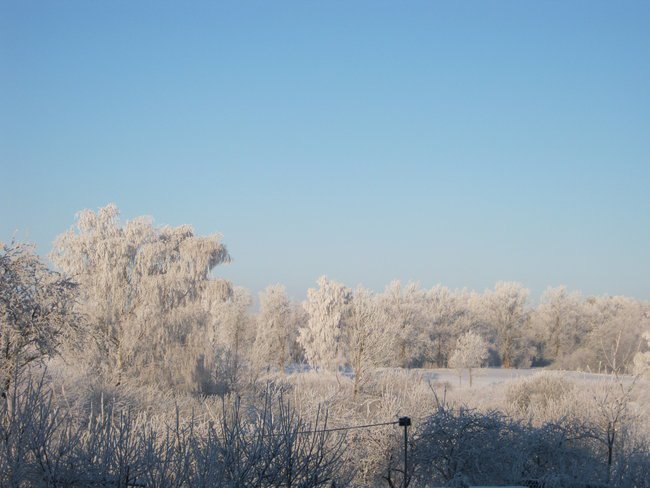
{"x": 321, "y": 337}
{"x": 276, "y": 327}
{"x": 471, "y": 352}
{"x": 234, "y": 332}
{"x": 504, "y": 310}
{"x": 143, "y": 290}
{"x": 618, "y": 324}
{"x": 367, "y": 338}
{"x": 642, "y": 358}
{"x": 446, "y": 315}
{"x": 558, "y": 322}
{"x": 403, "y": 308}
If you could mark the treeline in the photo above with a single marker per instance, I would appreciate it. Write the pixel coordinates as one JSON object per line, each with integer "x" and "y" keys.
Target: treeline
{"x": 416, "y": 327}
{"x": 136, "y": 301}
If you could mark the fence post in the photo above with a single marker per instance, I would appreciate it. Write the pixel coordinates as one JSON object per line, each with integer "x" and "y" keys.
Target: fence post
{"x": 405, "y": 422}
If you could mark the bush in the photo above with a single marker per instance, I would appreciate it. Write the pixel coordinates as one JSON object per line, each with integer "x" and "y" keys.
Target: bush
{"x": 489, "y": 448}
{"x": 537, "y": 393}
{"x": 266, "y": 446}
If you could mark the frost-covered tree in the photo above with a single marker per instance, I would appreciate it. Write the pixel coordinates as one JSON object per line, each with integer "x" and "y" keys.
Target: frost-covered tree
{"x": 299, "y": 319}
{"x": 617, "y": 326}
{"x": 471, "y": 352}
{"x": 559, "y": 322}
{"x": 642, "y": 358}
{"x": 36, "y": 311}
{"x": 446, "y": 315}
{"x": 276, "y": 327}
{"x": 233, "y": 329}
{"x": 321, "y": 337}
{"x": 367, "y": 339}
{"x": 403, "y": 309}
{"x": 234, "y": 326}
{"x": 505, "y": 311}
{"x": 145, "y": 290}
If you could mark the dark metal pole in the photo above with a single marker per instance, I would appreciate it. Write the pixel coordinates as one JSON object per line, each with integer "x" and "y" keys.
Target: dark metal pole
{"x": 405, "y": 422}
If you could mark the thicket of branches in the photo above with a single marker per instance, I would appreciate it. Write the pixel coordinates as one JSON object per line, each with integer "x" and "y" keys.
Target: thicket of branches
{"x": 134, "y": 310}
{"x": 264, "y": 444}
{"x": 545, "y": 429}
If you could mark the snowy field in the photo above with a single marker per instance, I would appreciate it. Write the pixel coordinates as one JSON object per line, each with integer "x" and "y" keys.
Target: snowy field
{"x": 482, "y": 377}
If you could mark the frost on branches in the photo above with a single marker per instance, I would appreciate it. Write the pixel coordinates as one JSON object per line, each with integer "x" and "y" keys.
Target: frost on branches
{"x": 36, "y": 311}
{"x": 148, "y": 295}
{"x": 642, "y": 359}
{"x": 471, "y": 352}
{"x": 321, "y": 337}
{"x": 504, "y": 310}
{"x": 275, "y": 328}
{"x": 367, "y": 337}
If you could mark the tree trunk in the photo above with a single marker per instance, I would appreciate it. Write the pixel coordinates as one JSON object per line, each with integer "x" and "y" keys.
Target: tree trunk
{"x": 611, "y": 437}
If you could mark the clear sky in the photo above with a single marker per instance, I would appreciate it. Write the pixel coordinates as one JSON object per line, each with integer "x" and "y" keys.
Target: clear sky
{"x": 455, "y": 142}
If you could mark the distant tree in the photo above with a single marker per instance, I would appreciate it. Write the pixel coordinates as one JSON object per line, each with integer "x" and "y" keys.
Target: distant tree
{"x": 321, "y": 337}
{"x": 471, "y": 352}
{"x": 234, "y": 329}
{"x": 275, "y": 327}
{"x": 36, "y": 311}
{"x": 403, "y": 310}
{"x": 147, "y": 291}
{"x": 617, "y": 324}
{"x": 504, "y": 309}
{"x": 642, "y": 358}
{"x": 446, "y": 315}
{"x": 559, "y": 322}
{"x": 299, "y": 319}
{"x": 367, "y": 339}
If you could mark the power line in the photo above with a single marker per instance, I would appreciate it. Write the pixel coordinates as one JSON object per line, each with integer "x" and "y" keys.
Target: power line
{"x": 351, "y": 427}
{"x": 334, "y": 429}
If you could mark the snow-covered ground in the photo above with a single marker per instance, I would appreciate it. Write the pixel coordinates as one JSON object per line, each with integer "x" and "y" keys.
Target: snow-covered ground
{"x": 480, "y": 376}
{"x": 492, "y": 376}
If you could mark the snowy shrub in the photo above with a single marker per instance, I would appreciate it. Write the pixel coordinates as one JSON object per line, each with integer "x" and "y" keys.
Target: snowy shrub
{"x": 259, "y": 445}
{"x": 487, "y": 448}
{"x": 537, "y": 393}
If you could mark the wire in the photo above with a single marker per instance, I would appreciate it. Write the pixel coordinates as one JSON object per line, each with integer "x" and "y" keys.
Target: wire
{"x": 351, "y": 427}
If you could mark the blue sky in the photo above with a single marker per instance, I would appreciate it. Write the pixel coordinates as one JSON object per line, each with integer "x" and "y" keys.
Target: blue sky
{"x": 459, "y": 143}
